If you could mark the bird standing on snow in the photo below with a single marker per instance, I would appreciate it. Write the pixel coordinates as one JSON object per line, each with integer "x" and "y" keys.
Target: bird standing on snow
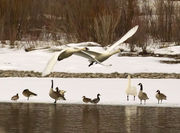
{"x": 55, "y": 94}
{"x": 142, "y": 95}
{"x": 15, "y": 97}
{"x": 27, "y": 93}
{"x": 62, "y": 92}
{"x": 86, "y": 100}
{"x": 96, "y": 100}
{"x": 130, "y": 90}
{"x": 160, "y": 96}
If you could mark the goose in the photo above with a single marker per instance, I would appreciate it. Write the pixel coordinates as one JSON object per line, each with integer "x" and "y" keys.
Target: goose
{"x": 15, "y": 97}
{"x": 131, "y": 90}
{"x": 160, "y": 96}
{"x": 142, "y": 95}
{"x": 86, "y": 100}
{"x": 99, "y": 57}
{"x": 96, "y": 100}
{"x": 60, "y": 55}
{"x": 62, "y": 92}
{"x": 27, "y": 93}
{"x": 54, "y": 94}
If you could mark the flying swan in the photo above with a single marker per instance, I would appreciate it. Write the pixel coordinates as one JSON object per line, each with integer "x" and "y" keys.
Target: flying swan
{"x": 102, "y": 56}
{"x": 92, "y": 56}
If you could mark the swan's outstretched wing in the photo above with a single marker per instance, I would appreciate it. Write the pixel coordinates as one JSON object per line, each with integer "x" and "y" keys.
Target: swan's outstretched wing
{"x": 51, "y": 63}
{"x": 130, "y": 33}
{"x": 90, "y": 57}
{"x": 94, "y": 53}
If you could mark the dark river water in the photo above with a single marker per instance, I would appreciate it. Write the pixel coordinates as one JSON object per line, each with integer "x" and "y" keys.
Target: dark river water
{"x": 66, "y": 118}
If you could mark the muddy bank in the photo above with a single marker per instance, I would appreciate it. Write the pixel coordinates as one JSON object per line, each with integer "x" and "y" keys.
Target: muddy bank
{"x": 13, "y": 73}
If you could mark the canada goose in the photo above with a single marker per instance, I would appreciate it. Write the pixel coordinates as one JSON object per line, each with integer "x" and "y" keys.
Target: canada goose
{"x": 27, "y": 93}
{"x": 62, "y": 92}
{"x": 58, "y": 56}
{"x": 96, "y": 100}
{"x": 130, "y": 90}
{"x": 86, "y": 100}
{"x": 142, "y": 95}
{"x": 55, "y": 94}
{"x": 98, "y": 57}
{"x": 15, "y": 97}
{"x": 160, "y": 96}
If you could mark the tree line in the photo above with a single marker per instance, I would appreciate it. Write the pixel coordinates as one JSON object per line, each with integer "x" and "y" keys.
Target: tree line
{"x": 101, "y": 21}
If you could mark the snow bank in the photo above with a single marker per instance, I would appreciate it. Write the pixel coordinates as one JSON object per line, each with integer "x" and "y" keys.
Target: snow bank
{"x": 112, "y": 90}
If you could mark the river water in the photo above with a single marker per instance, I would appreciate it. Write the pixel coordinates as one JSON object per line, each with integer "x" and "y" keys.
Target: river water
{"x": 67, "y": 118}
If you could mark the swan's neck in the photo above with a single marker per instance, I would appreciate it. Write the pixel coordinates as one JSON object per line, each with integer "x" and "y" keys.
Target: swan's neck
{"x": 129, "y": 82}
{"x": 114, "y": 52}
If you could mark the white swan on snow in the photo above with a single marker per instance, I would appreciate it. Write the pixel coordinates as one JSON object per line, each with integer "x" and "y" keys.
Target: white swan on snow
{"x": 130, "y": 90}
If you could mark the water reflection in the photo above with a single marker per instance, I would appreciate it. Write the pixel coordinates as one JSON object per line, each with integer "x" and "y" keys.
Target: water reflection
{"x": 50, "y": 118}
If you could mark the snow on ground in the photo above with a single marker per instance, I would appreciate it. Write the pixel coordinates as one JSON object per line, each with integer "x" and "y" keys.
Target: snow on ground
{"x": 169, "y": 50}
{"x": 11, "y": 59}
{"x": 112, "y": 90}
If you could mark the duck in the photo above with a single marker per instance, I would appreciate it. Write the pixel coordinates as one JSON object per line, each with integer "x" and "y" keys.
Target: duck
{"x": 15, "y": 97}
{"x": 130, "y": 90}
{"x": 160, "y": 96}
{"x": 99, "y": 57}
{"x": 142, "y": 95}
{"x": 60, "y": 55}
{"x": 27, "y": 93}
{"x": 96, "y": 100}
{"x": 55, "y": 94}
{"x": 86, "y": 100}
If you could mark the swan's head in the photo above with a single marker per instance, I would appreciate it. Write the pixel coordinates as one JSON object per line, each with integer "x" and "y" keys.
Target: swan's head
{"x": 85, "y": 48}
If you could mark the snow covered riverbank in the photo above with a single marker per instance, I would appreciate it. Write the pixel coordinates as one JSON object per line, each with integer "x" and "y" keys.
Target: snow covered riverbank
{"x": 112, "y": 90}
{"x": 11, "y": 59}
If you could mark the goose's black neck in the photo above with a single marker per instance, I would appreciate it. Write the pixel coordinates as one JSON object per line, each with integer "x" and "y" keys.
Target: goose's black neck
{"x": 141, "y": 87}
{"x": 52, "y": 84}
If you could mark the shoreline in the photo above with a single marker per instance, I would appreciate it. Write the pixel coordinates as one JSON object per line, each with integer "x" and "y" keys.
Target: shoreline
{"x": 15, "y": 73}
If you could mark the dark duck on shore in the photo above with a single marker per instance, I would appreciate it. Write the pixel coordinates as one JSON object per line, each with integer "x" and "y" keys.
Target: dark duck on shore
{"x": 160, "y": 96}
{"x": 142, "y": 95}
{"x": 55, "y": 94}
{"x": 96, "y": 100}
{"x": 86, "y": 100}
{"x": 15, "y": 97}
{"x": 27, "y": 93}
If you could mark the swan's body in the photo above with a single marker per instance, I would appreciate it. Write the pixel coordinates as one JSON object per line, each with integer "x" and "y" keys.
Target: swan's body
{"x": 96, "y": 100}
{"x": 130, "y": 90}
{"x": 102, "y": 56}
{"x": 54, "y": 94}
{"x": 160, "y": 96}
{"x": 142, "y": 95}
{"x": 15, "y": 97}
{"x": 58, "y": 56}
{"x": 86, "y": 100}
{"x": 27, "y": 93}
